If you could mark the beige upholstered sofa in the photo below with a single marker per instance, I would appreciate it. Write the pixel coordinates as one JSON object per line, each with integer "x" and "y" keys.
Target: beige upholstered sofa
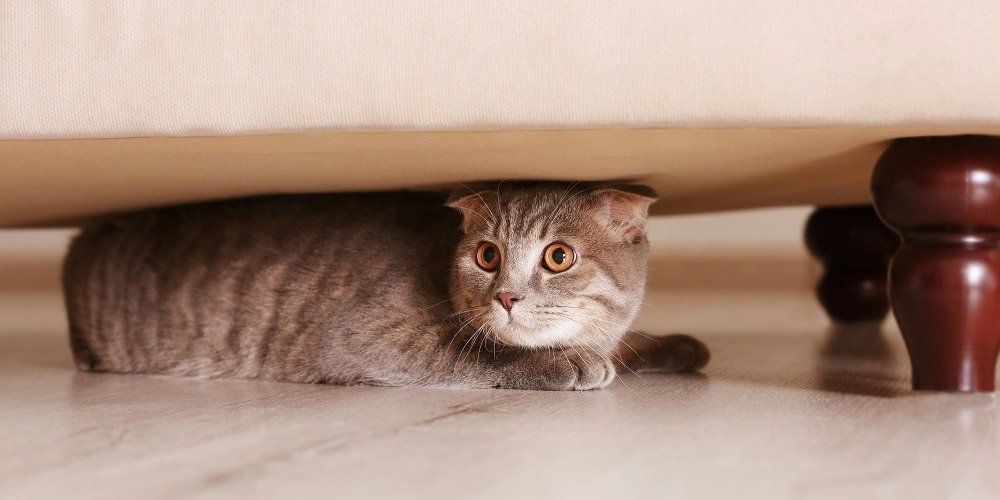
{"x": 716, "y": 104}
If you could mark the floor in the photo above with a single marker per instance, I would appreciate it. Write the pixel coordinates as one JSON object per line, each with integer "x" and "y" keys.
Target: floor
{"x": 790, "y": 407}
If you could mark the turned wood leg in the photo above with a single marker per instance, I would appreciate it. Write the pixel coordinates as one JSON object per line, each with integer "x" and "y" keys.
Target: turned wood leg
{"x": 942, "y": 194}
{"x": 854, "y": 247}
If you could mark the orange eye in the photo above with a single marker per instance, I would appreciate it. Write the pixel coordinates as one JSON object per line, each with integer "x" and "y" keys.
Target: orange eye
{"x": 488, "y": 256}
{"x": 558, "y": 257}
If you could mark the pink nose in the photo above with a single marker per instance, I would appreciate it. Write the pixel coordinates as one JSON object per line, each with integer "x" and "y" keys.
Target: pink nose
{"x": 507, "y": 300}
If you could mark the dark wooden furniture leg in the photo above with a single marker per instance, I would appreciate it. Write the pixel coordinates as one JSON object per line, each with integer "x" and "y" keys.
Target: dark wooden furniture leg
{"x": 854, "y": 247}
{"x": 942, "y": 194}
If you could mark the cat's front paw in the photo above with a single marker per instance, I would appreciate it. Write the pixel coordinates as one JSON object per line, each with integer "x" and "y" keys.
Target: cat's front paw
{"x": 579, "y": 369}
{"x": 571, "y": 369}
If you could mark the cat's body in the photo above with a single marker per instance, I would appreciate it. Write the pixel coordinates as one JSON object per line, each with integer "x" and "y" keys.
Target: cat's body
{"x": 354, "y": 288}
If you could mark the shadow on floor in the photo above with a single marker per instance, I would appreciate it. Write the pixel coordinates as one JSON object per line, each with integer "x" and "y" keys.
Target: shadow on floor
{"x": 858, "y": 359}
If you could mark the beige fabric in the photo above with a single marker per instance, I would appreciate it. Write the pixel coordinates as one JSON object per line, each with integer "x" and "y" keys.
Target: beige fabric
{"x": 694, "y": 170}
{"x": 101, "y": 68}
{"x": 242, "y": 97}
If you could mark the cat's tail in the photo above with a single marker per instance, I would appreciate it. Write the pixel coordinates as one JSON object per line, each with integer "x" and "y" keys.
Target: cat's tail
{"x": 677, "y": 353}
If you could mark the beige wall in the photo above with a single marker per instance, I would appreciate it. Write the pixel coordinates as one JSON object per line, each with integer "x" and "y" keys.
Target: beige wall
{"x": 752, "y": 230}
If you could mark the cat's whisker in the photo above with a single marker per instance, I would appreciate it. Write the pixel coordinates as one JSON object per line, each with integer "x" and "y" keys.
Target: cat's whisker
{"x": 493, "y": 217}
{"x": 563, "y": 352}
{"x": 499, "y": 185}
{"x": 482, "y": 343}
{"x": 576, "y": 195}
{"x": 464, "y": 311}
{"x": 481, "y": 216}
{"x": 464, "y": 325}
{"x": 462, "y": 350}
{"x": 594, "y": 317}
{"x": 467, "y": 322}
{"x": 469, "y": 310}
{"x": 434, "y": 305}
{"x": 611, "y": 324}
{"x": 620, "y": 339}
{"x": 473, "y": 319}
{"x": 586, "y": 333}
{"x": 481, "y": 336}
{"x": 574, "y": 350}
{"x": 622, "y": 363}
{"x": 469, "y": 343}
{"x": 626, "y": 344}
{"x": 588, "y": 312}
{"x": 458, "y": 359}
{"x": 625, "y": 385}
{"x": 617, "y": 325}
{"x": 562, "y": 199}
{"x": 487, "y": 337}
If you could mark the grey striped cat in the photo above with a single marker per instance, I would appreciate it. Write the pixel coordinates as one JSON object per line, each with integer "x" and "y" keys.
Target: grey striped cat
{"x": 522, "y": 286}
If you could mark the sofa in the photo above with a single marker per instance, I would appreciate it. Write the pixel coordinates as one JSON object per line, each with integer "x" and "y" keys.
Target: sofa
{"x": 716, "y": 104}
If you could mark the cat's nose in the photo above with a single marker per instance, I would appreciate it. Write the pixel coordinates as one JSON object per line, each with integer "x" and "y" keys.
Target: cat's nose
{"x": 507, "y": 300}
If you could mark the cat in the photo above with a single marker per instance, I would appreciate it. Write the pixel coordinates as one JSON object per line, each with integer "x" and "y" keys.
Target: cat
{"x": 529, "y": 285}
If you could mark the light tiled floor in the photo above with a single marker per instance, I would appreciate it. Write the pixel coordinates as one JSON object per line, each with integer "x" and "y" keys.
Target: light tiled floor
{"x": 789, "y": 408}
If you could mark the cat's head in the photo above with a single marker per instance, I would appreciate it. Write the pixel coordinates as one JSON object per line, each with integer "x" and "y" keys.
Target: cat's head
{"x": 551, "y": 264}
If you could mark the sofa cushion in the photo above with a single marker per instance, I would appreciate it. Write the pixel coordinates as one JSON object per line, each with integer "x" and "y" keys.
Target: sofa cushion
{"x": 77, "y": 68}
{"x": 719, "y": 104}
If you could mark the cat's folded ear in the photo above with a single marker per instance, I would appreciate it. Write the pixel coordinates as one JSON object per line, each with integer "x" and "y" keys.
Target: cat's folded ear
{"x": 624, "y": 208}
{"x": 472, "y": 205}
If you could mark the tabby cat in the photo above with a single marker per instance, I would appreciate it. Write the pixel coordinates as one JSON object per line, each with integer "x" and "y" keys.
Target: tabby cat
{"x": 521, "y": 286}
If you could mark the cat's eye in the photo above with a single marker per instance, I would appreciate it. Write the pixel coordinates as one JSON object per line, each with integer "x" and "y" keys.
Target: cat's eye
{"x": 488, "y": 256}
{"x": 558, "y": 257}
